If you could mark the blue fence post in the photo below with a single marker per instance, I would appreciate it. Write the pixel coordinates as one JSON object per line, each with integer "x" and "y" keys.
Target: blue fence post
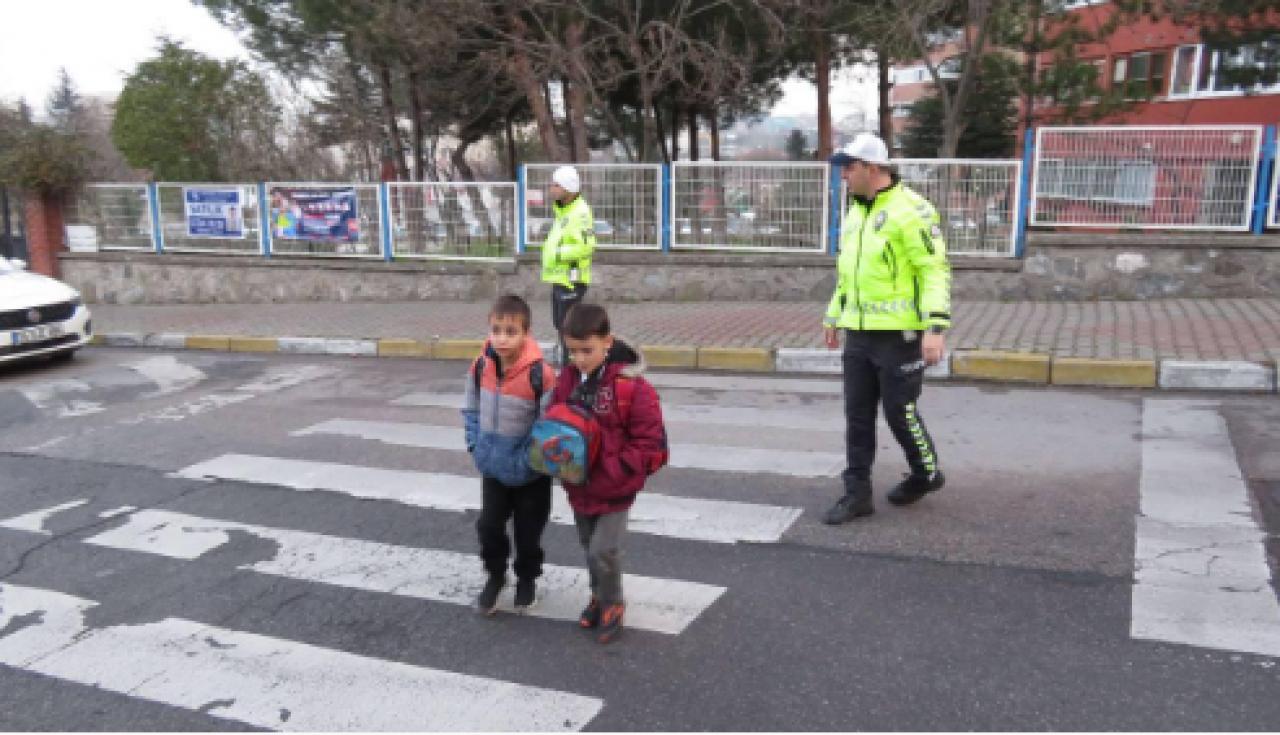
{"x": 1024, "y": 192}
{"x": 834, "y": 183}
{"x": 522, "y": 201}
{"x": 666, "y": 208}
{"x": 264, "y": 220}
{"x": 153, "y": 204}
{"x": 1263, "y": 195}
{"x": 384, "y": 211}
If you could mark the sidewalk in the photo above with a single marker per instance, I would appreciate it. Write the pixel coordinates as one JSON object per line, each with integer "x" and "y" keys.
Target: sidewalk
{"x": 1177, "y": 329}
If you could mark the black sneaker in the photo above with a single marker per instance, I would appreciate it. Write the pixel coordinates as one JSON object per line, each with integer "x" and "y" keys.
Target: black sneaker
{"x": 848, "y": 507}
{"x": 590, "y": 616}
{"x": 610, "y": 622}
{"x": 526, "y": 591}
{"x": 487, "y": 600}
{"x": 914, "y": 487}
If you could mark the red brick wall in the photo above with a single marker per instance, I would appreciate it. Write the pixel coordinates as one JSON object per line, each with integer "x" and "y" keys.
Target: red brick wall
{"x": 45, "y": 233}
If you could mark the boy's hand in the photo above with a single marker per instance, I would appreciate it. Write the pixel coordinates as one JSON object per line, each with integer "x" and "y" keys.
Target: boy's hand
{"x": 831, "y": 336}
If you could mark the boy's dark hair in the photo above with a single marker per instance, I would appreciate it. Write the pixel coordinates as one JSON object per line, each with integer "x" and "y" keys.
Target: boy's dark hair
{"x": 586, "y": 320}
{"x": 509, "y": 304}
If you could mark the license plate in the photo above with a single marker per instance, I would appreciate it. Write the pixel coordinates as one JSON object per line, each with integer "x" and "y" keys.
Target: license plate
{"x": 36, "y": 334}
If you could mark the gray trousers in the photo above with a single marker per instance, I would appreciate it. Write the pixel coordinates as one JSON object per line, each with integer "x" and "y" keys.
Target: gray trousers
{"x": 601, "y": 538}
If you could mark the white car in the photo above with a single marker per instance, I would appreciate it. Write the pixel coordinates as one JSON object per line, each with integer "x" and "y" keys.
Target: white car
{"x": 39, "y": 316}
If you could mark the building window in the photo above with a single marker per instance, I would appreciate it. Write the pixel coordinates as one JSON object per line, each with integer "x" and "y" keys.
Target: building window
{"x": 1141, "y": 74}
{"x": 1185, "y": 60}
{"x": 1197, "y": 71}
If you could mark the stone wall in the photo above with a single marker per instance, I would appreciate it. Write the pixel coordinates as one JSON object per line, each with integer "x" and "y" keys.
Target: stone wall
{"x": 1056, "y": 267}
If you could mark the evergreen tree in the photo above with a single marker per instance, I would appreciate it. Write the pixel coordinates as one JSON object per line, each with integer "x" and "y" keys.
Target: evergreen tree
{"x": 991, "y": 130}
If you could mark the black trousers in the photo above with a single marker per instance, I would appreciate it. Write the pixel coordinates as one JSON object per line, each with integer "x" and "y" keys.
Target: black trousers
{"x": 883, "y": 368}
{"x": 562, "y": 299}
{"x": 529, "y": 507}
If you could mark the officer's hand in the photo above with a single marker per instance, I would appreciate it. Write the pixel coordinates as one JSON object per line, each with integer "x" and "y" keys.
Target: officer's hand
{"x": 934, "y": 345}
{"x": 831, "y": 336}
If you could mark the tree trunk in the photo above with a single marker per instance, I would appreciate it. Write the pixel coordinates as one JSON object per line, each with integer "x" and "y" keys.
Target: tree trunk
{"x": 576, "y": 99}
{"x": 713, "y": 123}
{"x": 522, "y": 71}
{"x": 415, "y": 111}
{"x": 1032, "y": 50}
{"x": 620, "y": 135}
{"x": 693, "y": 133}
{"x": 822, "y": 78}
{"x": 954, "y": 122}
{"x": 676, "y": 117}
{"x": 659, "y": 132}
{"x": 459, "y": 158}
{"x": 511, "y": 147}
{"x": 393, "y": 127}
{"x": 886, "y": 111}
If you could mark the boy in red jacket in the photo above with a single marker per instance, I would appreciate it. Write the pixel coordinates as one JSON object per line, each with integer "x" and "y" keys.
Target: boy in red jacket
{"x": 604, "y": 378}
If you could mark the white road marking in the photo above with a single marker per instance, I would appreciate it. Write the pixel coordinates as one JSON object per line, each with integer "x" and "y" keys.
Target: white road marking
{"x": 696, "y": 519}
{"x": 689, "y": 456}
{"x": 1201, "y": 575}
{"x": 56, "y": 397}
{"x": 168, "y": 373}
{"x": 277, "y": 380}
{"x": 811, "y": 418}
{"x": 264, "y": 681}
{"x": 661, "y": 605}
{"x": 35, "y": 520}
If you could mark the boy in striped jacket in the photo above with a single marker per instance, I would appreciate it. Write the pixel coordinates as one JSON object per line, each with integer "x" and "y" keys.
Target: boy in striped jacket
{"x": 504, "y": 396}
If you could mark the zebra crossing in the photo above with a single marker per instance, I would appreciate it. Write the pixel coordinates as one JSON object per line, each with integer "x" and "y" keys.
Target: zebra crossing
{"x": 278, "y": 683}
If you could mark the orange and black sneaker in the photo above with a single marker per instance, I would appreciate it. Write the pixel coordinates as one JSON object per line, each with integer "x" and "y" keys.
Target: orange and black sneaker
{"x": 611, "y": 622}
{"x": 590, "y": 616}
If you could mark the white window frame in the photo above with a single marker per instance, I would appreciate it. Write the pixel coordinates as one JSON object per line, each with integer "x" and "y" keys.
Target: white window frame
{"x": 1213, "y": 58}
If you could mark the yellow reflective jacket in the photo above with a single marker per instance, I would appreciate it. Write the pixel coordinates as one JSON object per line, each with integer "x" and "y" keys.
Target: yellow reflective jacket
{"x": 566, "y": 253}
{"x": 892, "y": 272}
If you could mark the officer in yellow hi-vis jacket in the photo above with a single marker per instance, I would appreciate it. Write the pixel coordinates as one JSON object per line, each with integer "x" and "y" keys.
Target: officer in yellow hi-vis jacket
{"x": 893, "y": 302}
{"x": 567, "y": 251}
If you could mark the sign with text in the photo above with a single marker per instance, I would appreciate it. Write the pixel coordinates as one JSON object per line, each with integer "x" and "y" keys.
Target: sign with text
{"x": 214, "y": 213}
{"x": 315, "y": 214}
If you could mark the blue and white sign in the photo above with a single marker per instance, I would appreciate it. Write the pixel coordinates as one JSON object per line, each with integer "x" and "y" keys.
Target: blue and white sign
{"x": 214, "y": 213}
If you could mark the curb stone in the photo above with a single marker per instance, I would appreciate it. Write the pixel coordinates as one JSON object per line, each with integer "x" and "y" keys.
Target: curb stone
{"x": 1013, "y": 367}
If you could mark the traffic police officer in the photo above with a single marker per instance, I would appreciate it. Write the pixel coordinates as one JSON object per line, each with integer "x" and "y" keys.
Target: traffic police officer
{"x": 892, "y": 301}
{"x": 566, "y": 253}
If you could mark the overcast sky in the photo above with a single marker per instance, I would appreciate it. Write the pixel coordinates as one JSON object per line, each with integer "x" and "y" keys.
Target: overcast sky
{"x": 100, "y": 42}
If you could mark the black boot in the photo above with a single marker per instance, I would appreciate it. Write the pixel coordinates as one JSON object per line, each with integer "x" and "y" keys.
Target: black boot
{"x": 487, "y": 600}
{"x": 855, "y": 503}
{"x": 913, "y": 487}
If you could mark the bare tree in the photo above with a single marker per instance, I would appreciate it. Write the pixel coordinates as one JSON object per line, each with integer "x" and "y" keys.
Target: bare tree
{"x": 930, "y": 24}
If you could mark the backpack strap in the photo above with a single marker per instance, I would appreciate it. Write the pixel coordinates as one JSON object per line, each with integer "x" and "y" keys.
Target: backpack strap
{"x": 535, "y": 382}
{"x": 477, "y": 371}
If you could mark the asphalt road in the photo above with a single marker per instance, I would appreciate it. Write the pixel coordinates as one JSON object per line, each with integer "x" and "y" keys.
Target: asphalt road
{"x": 203, "y": 541}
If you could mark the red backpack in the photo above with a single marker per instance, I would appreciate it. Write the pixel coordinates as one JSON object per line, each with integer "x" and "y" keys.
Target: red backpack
{"x": 566, "y": 439}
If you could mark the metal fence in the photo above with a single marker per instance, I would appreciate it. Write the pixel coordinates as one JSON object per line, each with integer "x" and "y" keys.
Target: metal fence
{"x": 171, "y": 202}
{"x": 1273, "y": 215}
{"x": 1187, "y": 177}
{"x": 117, "y": 215}
{"x": 625, "y": 199}
{"x": 977, "y": 201}
{"x": 293, "y": 232}
{"x": 751, "y": 207}
{"x": 453, "y": 220}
